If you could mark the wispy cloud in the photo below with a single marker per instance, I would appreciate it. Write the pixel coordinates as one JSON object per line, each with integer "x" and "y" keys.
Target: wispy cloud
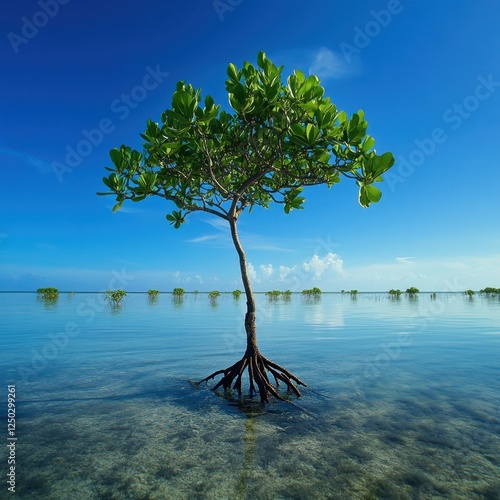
{"x": 405, "y": 259}
{"x": 327, "y": 64}
{"x": 46, "y": 246}
{"x": 202, "y": 239}
{"x": 42, "y": 166}
{"x": 251, "y": 241}
{"x": 323, "y": 62}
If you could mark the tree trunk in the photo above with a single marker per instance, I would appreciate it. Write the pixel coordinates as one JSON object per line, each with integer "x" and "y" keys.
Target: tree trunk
{"x": 257, "y": 365}
{"x": 250, "y": 327}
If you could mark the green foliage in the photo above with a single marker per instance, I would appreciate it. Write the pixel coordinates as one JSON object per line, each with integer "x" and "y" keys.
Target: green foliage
{"x": 395, "y": 293}
{"x": 48, "y": 293}
{"x": 353, "y": 292}
{"x": 412, "y": 291}
{"x": 286, "y": 295}
{"x": 281, "y": 136}
{"x": 178, "y": 292}
{"x": 490, "y": 290}
{"x": 214, "y": 294}
{"x": 115, "y": 297}
{"x": 313, "y": 292}
{"x": 153, "y": 294}
{"x": 470, "y": 293}
{"x": 273, "y": 294}
{"x": 236, "y": 294}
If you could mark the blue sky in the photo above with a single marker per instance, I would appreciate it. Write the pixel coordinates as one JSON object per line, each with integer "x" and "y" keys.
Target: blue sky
{"x": 81, "y": 78}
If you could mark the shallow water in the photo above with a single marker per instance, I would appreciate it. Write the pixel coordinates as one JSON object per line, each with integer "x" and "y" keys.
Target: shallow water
{"x": 403, "y": 398}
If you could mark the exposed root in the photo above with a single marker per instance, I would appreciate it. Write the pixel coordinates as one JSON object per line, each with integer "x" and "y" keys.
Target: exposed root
{"x": 258, "y": 367}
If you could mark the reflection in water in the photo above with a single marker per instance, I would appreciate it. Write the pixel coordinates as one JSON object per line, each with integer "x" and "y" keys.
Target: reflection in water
{"x": 177, "y": 300}
{"x": 249, "y": 440}
{"x": 116, "y": 308}
{"x": 49, "y": 303}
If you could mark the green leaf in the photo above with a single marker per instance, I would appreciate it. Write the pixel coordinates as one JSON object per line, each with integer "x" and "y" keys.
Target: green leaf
{"x": 373, "y": 193}
{"x": 363, "y": 198}
{"x": 368, "y": 144}
{"x": 312, "y": 133}
{"x": 183, "y": 103}
{"x": 117, "y": 206}
{"x": 177, "y": 116}
{"x": 382, "y": 163}
{"x": 261, "y": 59}
{"x": 232, "y": 72}
{"x": 116, "y": 157}
{"x": 209, "y": 102}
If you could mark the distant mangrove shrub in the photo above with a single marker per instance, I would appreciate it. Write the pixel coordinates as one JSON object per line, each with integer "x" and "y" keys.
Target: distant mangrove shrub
{"x": 236, "y": 294}
{"x": 273, "y": 294}
{"x": 312, "y": 292}
{"x": 412, "y": 291}
{"x": 115, "y": 297}
{"x": 286, "y": 295}
{"x": 48, "y": 293}
{"x": 153, "y": 294}
{"x": 395, "y": 293}
{"x": 490, "y": 290}
{"x": 470, "y": 293}
{"x": 214, "y": 294}
{"x": 178, "y": 292}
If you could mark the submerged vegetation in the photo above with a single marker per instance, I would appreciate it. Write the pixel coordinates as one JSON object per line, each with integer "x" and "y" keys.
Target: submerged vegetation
{"x": 48, "y": 293}
{"x": 214, "y": 294}
{"x": 115, "y": 297}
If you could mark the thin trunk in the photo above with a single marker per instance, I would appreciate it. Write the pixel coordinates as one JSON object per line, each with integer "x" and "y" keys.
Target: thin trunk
{"x": 250, "y": 327}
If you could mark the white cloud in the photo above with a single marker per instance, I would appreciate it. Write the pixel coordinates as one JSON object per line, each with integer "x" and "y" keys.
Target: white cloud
{"x": 201, "y": 239}
{"x": 322, "y": 62}
{"x": 252, "y": 274}
{"x": 266, "y": 270}
{"x": 404, "y": 259}
{"x": 284, "y": 273}
{"x": 327, "y": 64}
{"x": 298, "y": 276}
{"x": 317, "y": 267}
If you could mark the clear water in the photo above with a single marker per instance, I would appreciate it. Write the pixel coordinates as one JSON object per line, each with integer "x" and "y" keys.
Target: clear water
{"x": 403, "y": 398}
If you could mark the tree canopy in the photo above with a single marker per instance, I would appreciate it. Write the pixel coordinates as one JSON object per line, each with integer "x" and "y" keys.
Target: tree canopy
{"x": 279, "y": 137}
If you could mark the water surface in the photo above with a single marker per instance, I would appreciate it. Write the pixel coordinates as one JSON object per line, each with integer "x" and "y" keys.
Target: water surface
{"x": 403, "y": 398}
